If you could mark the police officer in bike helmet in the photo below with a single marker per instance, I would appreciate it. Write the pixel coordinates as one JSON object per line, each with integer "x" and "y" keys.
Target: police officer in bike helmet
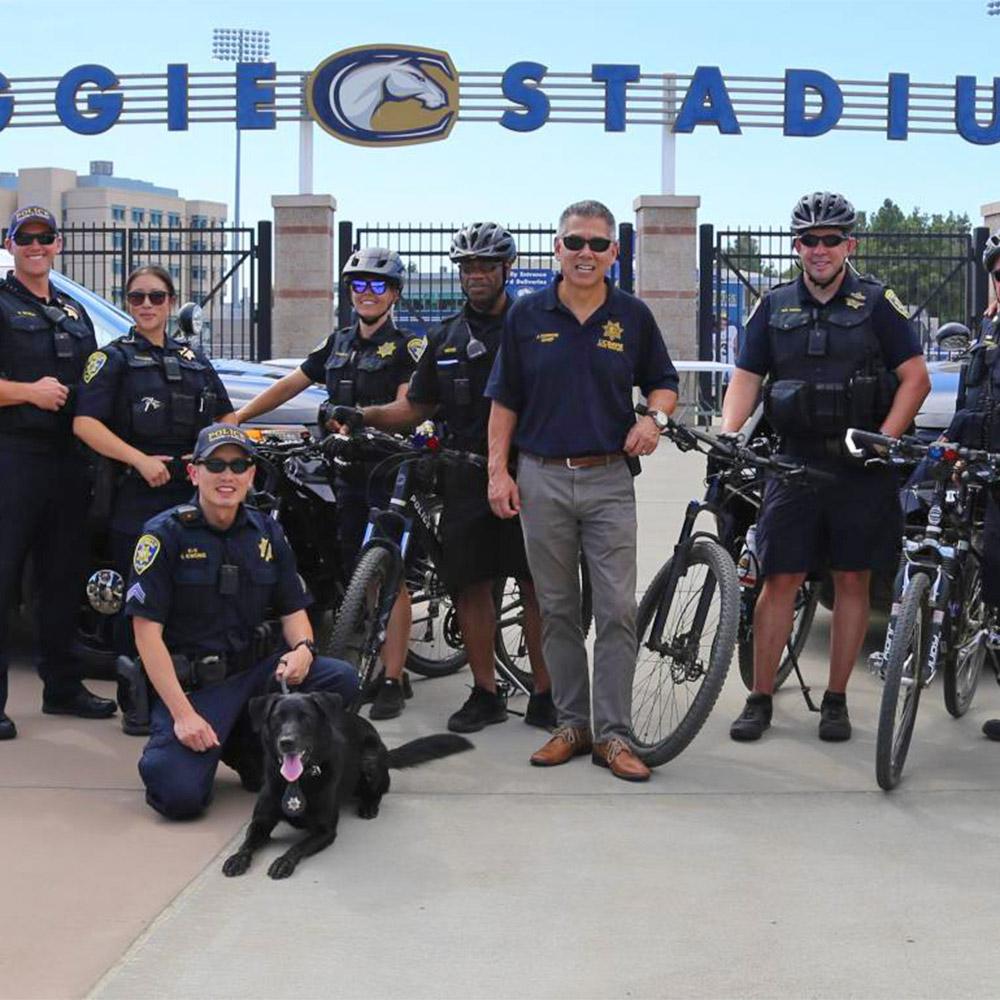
{"x": 367, "y": 363}
{"x": 143, "y": 400}
{"x": 832, "y": 350}
{"x": 479, "y": 548}
{"x": 976, "y": 424}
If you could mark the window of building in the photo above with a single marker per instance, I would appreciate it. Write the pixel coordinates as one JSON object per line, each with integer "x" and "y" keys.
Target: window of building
{"x": 118, "y": 239}
{"x": 137, "y": 241}
{"x": 154, "y": 243}
{"x": 116, "y": 294}
{"x": 155, "y": 218}
{"x": 138, "y": 216}
{"x": 173, "y": 220}
{"x": 118, "y": 213}
{"x": 198, "y": 221}
{"x": 175, "y": 271}
{"x": 174, "y": 243}
{"x": 116, "y": 267}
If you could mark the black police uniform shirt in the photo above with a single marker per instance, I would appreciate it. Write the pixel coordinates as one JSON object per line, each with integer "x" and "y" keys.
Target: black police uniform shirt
{"x": 364, "y": 371}
{"x": 156, "y": 399}
{"x": 210, "y": 589}
{"x": 448, "y": 378}
{"x": 571, "y": 383}
{"x": 897, "y": 339}
{"x": 34, "y": 345}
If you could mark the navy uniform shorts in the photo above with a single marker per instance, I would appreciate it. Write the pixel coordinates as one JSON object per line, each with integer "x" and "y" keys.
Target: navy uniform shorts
{"x": 477, "y": 545}
{"x": 852, "y": 524}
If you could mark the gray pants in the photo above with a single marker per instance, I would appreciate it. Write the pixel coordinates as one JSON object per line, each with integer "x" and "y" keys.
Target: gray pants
{"x": 563, "y": 510}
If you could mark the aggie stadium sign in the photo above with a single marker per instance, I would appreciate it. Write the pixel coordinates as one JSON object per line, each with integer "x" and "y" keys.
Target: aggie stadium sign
{"x": 387, "y": 95}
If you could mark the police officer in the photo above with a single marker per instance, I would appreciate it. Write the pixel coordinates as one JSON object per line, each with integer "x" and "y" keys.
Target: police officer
{"x": 976, "y": 424}
{"x": 478, "y": 547}
{"x": 204, "y": 578}
{"x": 45, "y": 338}
{"x": 144, "y": 398}
{"x": 562, "y": 393}
{"x": 838, "y": 351}
{"x": 366, "y": 363}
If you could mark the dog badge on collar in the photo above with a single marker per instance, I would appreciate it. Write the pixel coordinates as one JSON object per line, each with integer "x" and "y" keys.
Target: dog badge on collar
{"x": 293, "y": 802}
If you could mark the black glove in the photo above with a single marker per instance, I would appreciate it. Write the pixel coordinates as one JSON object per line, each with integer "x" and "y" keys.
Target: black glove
{"x": 349, "y": 416}
{"x": 716, "y": 464}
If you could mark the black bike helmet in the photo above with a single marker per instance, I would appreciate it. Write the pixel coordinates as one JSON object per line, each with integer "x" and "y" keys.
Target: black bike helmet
{"x": 823, "y": 209}
{"x": 991, "y": 252}
{"x": 376, "y": 261}
{"x": 483, "y": 239}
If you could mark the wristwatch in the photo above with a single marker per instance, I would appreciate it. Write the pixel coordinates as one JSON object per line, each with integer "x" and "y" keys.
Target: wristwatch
{"x": 308, "y": 643}
{"x": 659, "y": 418}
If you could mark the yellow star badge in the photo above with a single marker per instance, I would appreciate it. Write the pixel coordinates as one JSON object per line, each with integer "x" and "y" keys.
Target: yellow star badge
{"x": 613, "y": 330}
{"x": 387, "y": 350}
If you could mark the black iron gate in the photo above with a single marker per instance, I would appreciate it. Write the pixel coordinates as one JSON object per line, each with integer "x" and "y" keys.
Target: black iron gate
{"x": 226, "y": 270}
{"x": 938, "y": 276}
{"x": 432, "y": 288}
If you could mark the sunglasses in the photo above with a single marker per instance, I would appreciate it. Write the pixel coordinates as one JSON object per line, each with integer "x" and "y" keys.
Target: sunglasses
{"x": 217, "y": 465}
{"x": 26, "y": 239}
{"x": 996, "y": 275}
{"x": 596, "y": 243}
{"x": 377, "y": 285}
{"x": 830, "y": 240}
{"x": 156, "y": 298}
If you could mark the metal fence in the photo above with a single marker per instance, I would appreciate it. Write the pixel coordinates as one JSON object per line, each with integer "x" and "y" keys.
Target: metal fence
{"x": 432, "y": 288}
{"x": 936, "y": 275}
{"x": 226, "y": 270}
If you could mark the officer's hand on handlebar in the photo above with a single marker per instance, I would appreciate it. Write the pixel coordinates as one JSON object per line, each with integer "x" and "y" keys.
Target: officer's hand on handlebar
{"x": 195, "y": 733}
{"x": 505, "y": 499}
{"x": 153, "y": 469}
{"x": 348, "y": 417}
{"x": 715, "y": 464}
{"x": 48, "y": 393}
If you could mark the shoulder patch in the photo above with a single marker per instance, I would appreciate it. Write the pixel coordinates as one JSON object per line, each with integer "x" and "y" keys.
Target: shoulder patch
{"x": 893, "y": 299}
{"x": 146, "y": 551}
{"x": 95, "y": 363}
{"x": 415, "y": 347}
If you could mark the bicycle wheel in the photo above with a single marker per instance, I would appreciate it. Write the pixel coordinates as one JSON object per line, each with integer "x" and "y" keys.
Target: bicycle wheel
{"x": 806, "y": 600}
{"x": 966, "y": 651}
{"x": 903, "y": 668}
{"x": 677, "y": 684}
{"x": 509, "y": 643}
{"x": 436, "y": 645}
{"x": 354, "y": 637}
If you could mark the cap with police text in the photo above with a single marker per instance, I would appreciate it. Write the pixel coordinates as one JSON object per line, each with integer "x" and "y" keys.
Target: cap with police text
{"x": 216, "y": 435}
{"x": 31, "y": 213}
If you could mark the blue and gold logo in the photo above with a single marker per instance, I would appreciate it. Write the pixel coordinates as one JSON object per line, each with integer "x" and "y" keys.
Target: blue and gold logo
{"x": 385, "y": 95}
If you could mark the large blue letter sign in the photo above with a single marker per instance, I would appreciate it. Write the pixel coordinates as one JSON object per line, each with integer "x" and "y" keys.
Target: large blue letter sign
{"x": 615, "y": 78}
{"x": 965, "y": 112}
{"x": 797, "y": 122}
{"x": 102, "y": 109}
{"x": 515, "y": 88}
{"x": 707, "y": 103}
{"x": 254, "y": 87}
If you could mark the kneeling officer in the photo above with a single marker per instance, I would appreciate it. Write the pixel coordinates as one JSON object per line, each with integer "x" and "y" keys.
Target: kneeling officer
{"x": 204, "y": 578}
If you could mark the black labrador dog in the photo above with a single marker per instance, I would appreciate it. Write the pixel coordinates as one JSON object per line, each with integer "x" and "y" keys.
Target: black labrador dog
{"x": 317, "y": 756}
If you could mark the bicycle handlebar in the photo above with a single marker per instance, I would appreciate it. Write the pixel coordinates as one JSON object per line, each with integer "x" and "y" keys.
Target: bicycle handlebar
{"x": 335, "y": 447}
{"x": 908, "y": 449}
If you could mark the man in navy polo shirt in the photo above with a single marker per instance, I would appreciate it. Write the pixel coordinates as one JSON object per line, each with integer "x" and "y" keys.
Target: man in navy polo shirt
{"x": 562, "y": 394}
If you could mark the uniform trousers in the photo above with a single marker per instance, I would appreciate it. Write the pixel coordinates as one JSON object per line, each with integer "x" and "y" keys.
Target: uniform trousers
{"x": 178, "y": 780}
{"x": 43, "y": 510}
{"x": 565, "y": 510}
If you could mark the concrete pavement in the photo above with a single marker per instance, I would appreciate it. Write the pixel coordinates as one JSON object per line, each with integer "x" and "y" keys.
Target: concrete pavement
{"x": 770, "y": 870}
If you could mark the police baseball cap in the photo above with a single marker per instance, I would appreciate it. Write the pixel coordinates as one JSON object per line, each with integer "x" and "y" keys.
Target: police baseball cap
{"x": 216, "y": 435}
{"x": 31, "y": 213}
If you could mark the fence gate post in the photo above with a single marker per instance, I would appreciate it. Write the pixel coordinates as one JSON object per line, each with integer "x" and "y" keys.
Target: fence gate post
{"x": 345, "y": 247}
{"x": 262, "y": 345}
{"x": 626, "y": 257}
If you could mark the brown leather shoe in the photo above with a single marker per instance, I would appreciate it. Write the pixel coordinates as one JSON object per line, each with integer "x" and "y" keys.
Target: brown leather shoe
{"x": 566, "y": 743}
{"x": 622, "y": 762}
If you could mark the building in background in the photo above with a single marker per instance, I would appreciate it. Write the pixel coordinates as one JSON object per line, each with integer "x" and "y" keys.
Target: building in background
{"x": 113, "y": 224}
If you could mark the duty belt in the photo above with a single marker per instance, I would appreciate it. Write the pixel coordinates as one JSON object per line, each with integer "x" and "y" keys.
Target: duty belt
{"x": 824, "y": 447}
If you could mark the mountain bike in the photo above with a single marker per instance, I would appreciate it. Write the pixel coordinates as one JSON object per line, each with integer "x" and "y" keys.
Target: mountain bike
{"x": 688, "y": 619}
{"x": 938, "y": 617}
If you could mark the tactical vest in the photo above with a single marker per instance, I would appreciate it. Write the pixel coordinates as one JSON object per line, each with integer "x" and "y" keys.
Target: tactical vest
{"x": 359, "y": 373}
{"x": 979, "y": 391}
{"x": 37, "y": 340}
{"x": 462, "y": 382}
{"x": 827, "y": 372}
{"x": 166, "y": 397}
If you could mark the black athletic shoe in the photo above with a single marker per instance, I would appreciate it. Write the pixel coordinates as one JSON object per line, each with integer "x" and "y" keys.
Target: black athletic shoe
{"x": 991, "y": 729}
{"x": 755, "y": 718}
{"x": 834, "y": 724}
{"x": 7, "y": 728}
{"x": 540, "y": 711}
{"x": 482, "y": 708}
{"x": 84, "y": 704}
{"x": 390, "y": 700}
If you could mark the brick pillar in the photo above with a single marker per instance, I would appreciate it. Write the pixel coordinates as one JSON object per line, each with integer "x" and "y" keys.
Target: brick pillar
{"x": 666, "y": 265}
{"x": 304, "y": 272}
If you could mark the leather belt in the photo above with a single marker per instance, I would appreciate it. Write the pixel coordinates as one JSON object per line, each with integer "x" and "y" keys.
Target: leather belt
{"x": 583, "y": 461}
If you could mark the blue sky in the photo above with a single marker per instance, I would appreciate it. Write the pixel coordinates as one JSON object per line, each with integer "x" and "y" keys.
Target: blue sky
{"x": 483, "y": 170}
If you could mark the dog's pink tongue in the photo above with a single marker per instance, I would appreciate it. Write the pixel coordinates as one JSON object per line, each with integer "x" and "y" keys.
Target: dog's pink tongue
{"x": 291, "y": 766}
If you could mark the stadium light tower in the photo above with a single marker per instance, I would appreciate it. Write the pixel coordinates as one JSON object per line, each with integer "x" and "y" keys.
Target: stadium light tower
{"x": 993, "y": 7}
{"x": 238, "y": 45}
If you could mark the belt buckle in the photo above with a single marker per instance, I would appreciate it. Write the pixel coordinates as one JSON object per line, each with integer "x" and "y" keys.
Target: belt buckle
{"x": 569, "y": 463}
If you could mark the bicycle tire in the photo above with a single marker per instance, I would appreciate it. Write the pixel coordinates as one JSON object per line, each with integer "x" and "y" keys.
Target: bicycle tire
{"x": 903, "y": 671}
{"x": 439, "y": 650}
{"x": 806, "y": 600}
{"x": 353, "y": 636}
{"x": 662, "y": 727}
{"x": 966, "y": 651}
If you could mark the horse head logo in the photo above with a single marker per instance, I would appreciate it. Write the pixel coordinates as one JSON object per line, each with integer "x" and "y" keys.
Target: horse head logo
{"x": 385, "y": 95}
